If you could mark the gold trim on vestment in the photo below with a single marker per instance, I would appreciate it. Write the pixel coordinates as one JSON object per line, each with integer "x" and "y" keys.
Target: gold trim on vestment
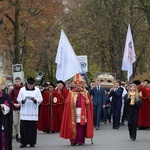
{"x": 85, "y": 95}
{"x": 74, "y": 96}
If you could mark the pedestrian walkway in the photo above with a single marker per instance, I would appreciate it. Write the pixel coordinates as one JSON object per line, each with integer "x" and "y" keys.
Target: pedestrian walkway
{"x": 105, "y": 139}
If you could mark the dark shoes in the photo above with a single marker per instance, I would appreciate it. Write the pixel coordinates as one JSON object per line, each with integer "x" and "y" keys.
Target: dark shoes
{"x": 18, "y": 139}
{"x": 132, "y": 138}
{"x": 22, "y": 145}
{"x": 97, "y": 128}
{"x": 115, "y": 127}
{"x": 73, "y": 143}
{"x": 142, "y": 128}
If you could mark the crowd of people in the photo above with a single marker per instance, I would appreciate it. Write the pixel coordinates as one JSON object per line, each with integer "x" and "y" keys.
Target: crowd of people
{"x": 72, "y": 108}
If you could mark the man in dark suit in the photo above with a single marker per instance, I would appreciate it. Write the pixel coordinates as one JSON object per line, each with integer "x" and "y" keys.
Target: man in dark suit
{"x": 98, "y": 98}
{"x": 116, "y": 95}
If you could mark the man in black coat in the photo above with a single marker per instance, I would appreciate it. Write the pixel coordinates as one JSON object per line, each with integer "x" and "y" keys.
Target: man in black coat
{"x": 116, "y": 95}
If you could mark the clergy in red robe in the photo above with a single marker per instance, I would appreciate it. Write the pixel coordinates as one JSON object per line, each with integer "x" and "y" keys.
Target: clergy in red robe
{"x": 144, "y": 111}
{"x": 45, "y": 122}
{"x": 77, "y": 121}
{"x": 59, "y": 98}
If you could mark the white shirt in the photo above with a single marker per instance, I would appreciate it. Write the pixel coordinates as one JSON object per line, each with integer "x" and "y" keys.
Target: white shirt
{"x": 29, "y": 109}
{"x": 124, "y": 92}
{"x": 98, "y": 88}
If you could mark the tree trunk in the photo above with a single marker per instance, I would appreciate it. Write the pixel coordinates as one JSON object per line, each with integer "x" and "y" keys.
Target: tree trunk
{"x": 17, "y": 34}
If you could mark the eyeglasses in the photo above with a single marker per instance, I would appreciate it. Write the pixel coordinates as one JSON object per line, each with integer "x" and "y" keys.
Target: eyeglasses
{"x": 50, "y": 87}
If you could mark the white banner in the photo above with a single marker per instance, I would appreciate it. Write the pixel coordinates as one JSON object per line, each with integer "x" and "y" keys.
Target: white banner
{"x": 66, "y": 59}
{"x": 129, "y": 54}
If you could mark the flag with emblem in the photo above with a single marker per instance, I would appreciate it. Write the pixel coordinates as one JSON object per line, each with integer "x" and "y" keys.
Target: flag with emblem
{"x": 129, "y": 56}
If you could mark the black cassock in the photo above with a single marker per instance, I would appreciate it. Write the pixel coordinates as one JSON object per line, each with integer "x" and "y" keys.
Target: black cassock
{"x": 28, "y": 130}
{"x": 6, "y": 121}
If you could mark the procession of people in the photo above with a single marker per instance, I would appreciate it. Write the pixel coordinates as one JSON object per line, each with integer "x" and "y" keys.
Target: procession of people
{"x": 71, "y": 109}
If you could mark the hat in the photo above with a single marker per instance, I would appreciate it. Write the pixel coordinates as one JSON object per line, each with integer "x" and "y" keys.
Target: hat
{"x": 137, "y": 82}
{"x": 51, "y": 84}
{"x": 60, "y": 81}
{"x": 1, "y": 80}
{"x": 45, "y": 85}
{"x": 78, "y": 79}
{"x": 30, "y": 80}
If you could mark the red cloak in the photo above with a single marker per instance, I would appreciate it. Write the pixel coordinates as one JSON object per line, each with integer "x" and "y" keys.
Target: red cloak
{"x": 58, "y": 107}
{"x": 144, "y": 111}
{"x": 68, "y": 125}
{"x": 45, "y": 118}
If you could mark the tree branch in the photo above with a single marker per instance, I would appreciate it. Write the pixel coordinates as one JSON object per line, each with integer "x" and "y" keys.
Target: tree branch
{"x": 10, "y": 19}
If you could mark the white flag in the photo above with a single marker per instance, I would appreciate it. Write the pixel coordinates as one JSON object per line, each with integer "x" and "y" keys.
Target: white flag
{"x": 66, "y": 59}
{"x": 129, "y": 54}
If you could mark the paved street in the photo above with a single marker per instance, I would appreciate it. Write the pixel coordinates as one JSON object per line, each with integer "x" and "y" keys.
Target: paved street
{"x": 105, "y": 139}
